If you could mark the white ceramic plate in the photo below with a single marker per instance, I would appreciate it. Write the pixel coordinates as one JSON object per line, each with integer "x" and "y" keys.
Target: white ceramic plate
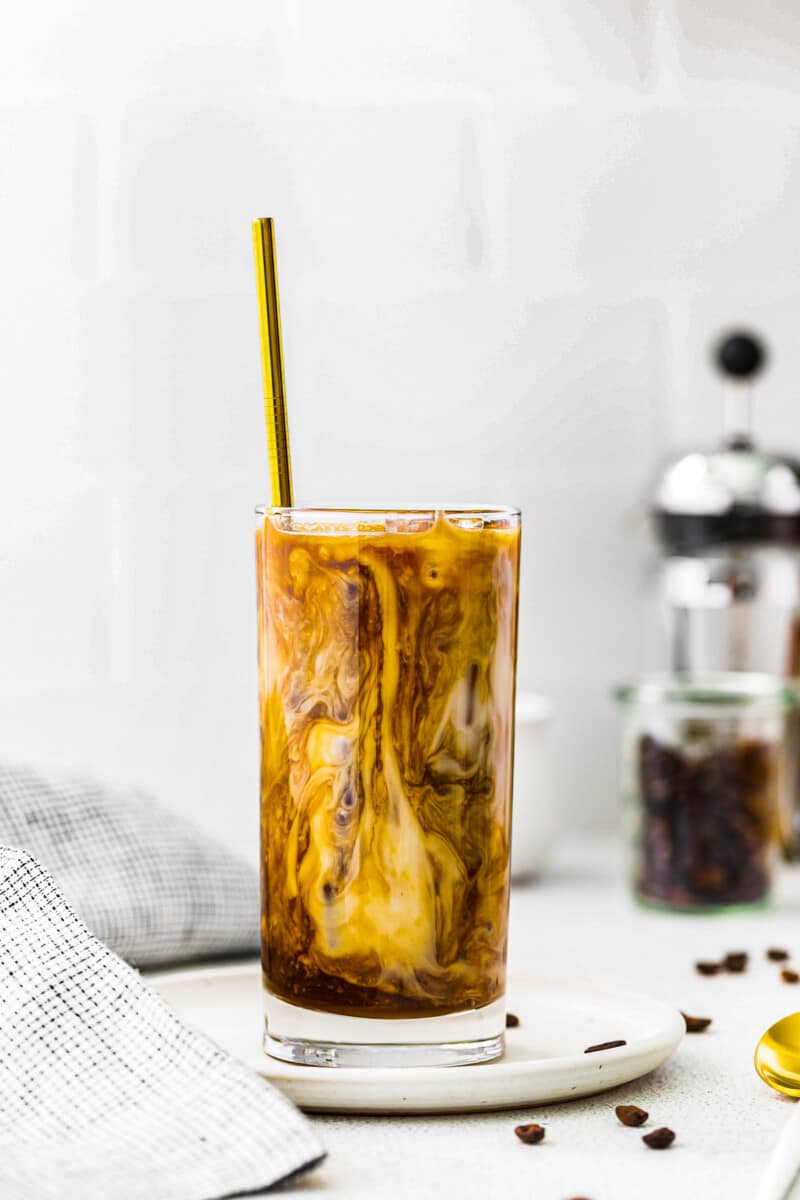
{"x": 544, "y": 1059}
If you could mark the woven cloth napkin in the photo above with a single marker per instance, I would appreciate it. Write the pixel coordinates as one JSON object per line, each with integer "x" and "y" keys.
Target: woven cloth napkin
{"x": 145, "y": 881}
{"x": 104, "y": 1093}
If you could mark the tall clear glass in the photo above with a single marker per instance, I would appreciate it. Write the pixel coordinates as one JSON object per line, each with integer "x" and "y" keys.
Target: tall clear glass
{"x": 387, "y": 652}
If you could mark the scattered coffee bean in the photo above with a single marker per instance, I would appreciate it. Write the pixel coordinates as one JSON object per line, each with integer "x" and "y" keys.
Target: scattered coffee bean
{"x": 735, "y": 963}
{"x": 631, "y": 1114}
{"x": 696, "y": 1024}
{"x": 530, "y": 1134}
{"x": 789, "y": 976}
{"x": 605, "y": 1046}
{"x": 777, "y": 955}
{"x": 708, "y": 968}
{"x": 512, "y": 1020}
{"x": 659, "y": 1139}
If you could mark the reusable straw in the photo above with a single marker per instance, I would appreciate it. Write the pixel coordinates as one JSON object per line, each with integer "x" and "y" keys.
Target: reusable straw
{"x": 269, "y": 318}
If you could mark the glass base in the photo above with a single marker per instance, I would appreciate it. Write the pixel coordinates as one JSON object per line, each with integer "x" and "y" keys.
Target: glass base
{"x": 321, "y": 1039}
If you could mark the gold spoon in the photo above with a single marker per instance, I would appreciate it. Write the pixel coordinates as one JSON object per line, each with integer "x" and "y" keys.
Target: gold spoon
{"x": 777, "y": 1060}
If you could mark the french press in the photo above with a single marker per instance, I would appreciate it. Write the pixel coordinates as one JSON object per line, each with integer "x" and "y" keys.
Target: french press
{"x": 727, "y": 521}
{"x": 728, "y": 524}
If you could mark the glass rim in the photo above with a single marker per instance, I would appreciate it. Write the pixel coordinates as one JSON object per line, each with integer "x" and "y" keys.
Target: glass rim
{"x": 723, "y": 690}
{"x": 391, "y": 510}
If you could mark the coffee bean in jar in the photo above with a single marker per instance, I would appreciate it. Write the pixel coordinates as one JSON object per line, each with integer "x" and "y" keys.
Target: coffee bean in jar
{"x": 702, "y": 766}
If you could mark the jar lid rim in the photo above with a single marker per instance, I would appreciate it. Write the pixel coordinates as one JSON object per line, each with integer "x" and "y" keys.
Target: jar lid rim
{"x": 723, "y": 689}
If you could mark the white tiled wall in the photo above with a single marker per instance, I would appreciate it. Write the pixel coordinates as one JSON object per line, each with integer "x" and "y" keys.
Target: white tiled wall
{"x": 507, "y": 234}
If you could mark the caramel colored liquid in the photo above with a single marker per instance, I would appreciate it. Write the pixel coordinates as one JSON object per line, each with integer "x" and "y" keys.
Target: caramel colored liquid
{"x": 386, "y": 691}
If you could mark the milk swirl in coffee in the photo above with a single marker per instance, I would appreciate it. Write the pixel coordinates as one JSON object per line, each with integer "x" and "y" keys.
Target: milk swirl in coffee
{"x": 387, "y": 653}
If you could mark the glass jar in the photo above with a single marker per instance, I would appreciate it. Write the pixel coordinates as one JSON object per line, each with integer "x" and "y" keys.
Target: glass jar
{"x": 703, "y": 777}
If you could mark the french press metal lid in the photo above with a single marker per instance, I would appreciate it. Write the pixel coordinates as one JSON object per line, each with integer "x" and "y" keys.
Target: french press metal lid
{"x": 736, "y": 494}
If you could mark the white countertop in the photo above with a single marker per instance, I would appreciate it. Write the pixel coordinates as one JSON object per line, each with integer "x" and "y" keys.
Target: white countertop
{"x": 580, "y": 923}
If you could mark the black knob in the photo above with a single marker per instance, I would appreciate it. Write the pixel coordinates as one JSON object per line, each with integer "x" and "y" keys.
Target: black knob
{"x": 741, "y": 355}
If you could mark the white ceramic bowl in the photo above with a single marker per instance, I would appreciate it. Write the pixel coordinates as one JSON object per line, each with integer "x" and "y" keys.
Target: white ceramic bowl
{"x": 535, "y": 822}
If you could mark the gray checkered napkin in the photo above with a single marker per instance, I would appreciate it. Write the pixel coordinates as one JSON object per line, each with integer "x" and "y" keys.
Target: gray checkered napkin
{"x": 145, "y": 881}
{"x": 104, "y": 1093}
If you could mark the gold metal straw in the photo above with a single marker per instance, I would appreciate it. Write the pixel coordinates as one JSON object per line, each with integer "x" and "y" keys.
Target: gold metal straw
{"x": 269, "y": 317}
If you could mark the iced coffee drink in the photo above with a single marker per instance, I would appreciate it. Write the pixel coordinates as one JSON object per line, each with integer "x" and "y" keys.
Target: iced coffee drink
{"x": 387, "y": 654}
